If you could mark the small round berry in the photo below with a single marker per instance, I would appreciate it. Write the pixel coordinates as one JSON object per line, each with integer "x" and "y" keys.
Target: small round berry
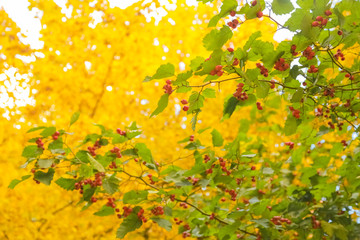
{"x": 232, "y": 13}
{"x": 259, "y": 14}
{"x": 340, "y": 32}
{"x": 184, "y": 102}
{"x": 185, "y": 108}
{"x": 328, "y": 12}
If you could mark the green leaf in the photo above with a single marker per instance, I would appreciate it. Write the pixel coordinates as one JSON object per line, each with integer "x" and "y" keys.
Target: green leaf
{"x": 95, "y": 164}
{"x": 251, "y": 39}
{"x": 181, "y": 78}
{"x": 111, "y": 184}
{"x": 162, "y": 104}
{"x": 88, "y": 193}
{"x": 217, "y": 139}
{"x": 31, "y": 151}
{"x": 117, "y": 138}
{"x": 229, "y": 107}
{"x": 43, "y": 177}
{"x": 280, "y": 7}
{"x": 217, "y": 38}
{"x": 105, "y": 211}
{"x": 262, "y": 90}
{"x": 294, "y": 22}
{"x": 74, "y": 118}
{"x": 196, "y": 63}
{"x": 166, "y": 224}
{"x": 164, "y": 71}
{"x": 15, "y": 182}
{"x": 134, "y": 197}
{"x": 226, "y": 7}
{"x": 297, "y": 95}
{"x": 290, "y": 126}
{"x": 48, "y": 131}
{"x": 85, "y": 171}
{"x": 209, "y": 93}
{"x": 45, "y": 163}
{"x": 34, "y": 129}
{"x": 144, "y": 152}
{"x": 66, "y": 183}
{"x": 130, "y": 223}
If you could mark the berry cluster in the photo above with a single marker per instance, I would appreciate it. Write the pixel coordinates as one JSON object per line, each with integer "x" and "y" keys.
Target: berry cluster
{"x": 309, "y": 53}
{"x": 113, "y": 165}
{"x": 329, "y": 92}
{"x": 338, "y": 55}
{"x": 315, "y": 223}
{"x": 263, "y": 71}
{"x": 159, "y": 210}
{"x": 217, "y": 71}
{"x": 233, "y": 24}
{"x": 318, "y": 112}
{"x": 223, "y": 166}
{"x": 40, "y": 144}
{"x": 178, "y": 221}
{"x": 232, "y": 193}
{"x": 191, "y": 138}
{"x": 258, "y": 105}
{"x": 187, "y": 227}
{"x": 111, "y": 202}
{"x": 320, "y": 22}
{"x": 295, "y": 112}
{"x": 206, "y": 158}
{"x": 167, "y": 87}
{"x": 344, "y": 143}
{"x": 56, "y": 135}
{"x": 127, "y": 211}
{"x": 292, "y": 50}
{"x": 150, "y": 178}
{"x": 116, "y": 150}
{"x": 277, "y": 220}
{"x": 290, "y": 144}
{"x": 239, "y": 181}
{"x": 236, "y": 62}
{"x": 313, "y": 69}
{"x": 94, "y": 148}
{"x": 93, "y": 183}
{"x": 349, "y": 76}
{"x": 172, "y": 197}
{"x": 186, "y": 107}
{"x": 239, "y": 94}
{"x": 186, "y": 234}
{"x": 184, "y": 205}
{"x": 272, "y": 86}
{"x": 119, "y": 131}
{"x": 141, "y": 216}
{"x": 281, "y": 65}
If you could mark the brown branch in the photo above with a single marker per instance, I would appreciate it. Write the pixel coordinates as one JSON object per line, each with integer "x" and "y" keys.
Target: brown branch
{"x": 107, "y": 75}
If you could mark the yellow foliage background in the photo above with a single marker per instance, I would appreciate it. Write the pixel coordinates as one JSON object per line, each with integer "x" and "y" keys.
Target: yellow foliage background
{"x": 120, "y": 50}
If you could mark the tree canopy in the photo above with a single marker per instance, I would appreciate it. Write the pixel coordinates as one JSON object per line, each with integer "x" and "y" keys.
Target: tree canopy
{"x": 234, "y": 136}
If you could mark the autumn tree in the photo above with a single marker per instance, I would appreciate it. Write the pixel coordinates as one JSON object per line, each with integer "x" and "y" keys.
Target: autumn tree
{"x": 270, "y": 149}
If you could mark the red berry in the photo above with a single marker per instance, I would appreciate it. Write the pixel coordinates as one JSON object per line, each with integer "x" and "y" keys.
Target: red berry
{"x": 168, "y": 81}
{"x": 218, "y": 68}
{"x": 253, "y": 168}
{"x": 347, "y": 75}
{"x": 328, "y": 12}
{"x": 232, "y": 13}
{"x": 340, "y": 32}
{"x": 184, "y": 101}
{"x": 230, "y": 49}
{"x": 259, "y": 14}
{"x": 319, "y": 18}
{"x": 324, "y": 22}
{"x": 185, "y": 108}
{"x": 315, "y": 24}
{"x": 253, "y": 3}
